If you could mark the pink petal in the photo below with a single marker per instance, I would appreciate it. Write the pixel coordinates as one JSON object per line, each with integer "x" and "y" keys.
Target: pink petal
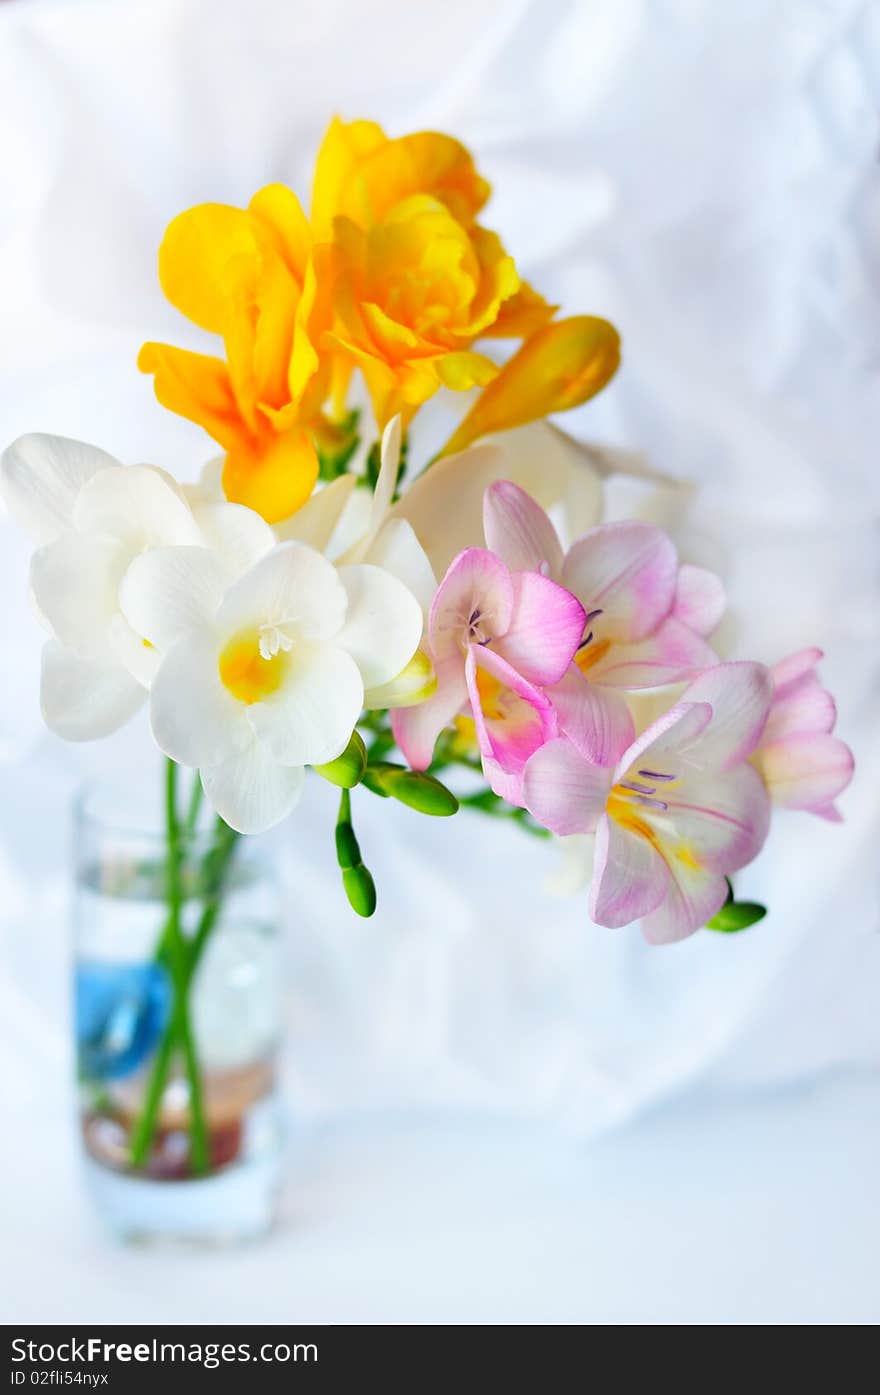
{"x": 716, "y": 821}
{"x": 672, "y": 654}
{"x": 699, "y": 599}
{"x": 794, "y": 667}
{"x": 546, "y": 627}
{"x": 627, "y": 570}
{"x": 713, "y": 825}
{"x": 689, "y": 902}
{"x": 805, "y": 706}
{"x": 563, "y": 790}
{"x": 505, "y": 783}
{"x": 519, "y": 531}
{"x": 474, "y": 602}
{"x": 740, "y": 695}
{"x": 596, "y": 719}
{"x": 806, "y": 771}
{"x": 416, "y": 728}
{"x": 629, "y": 878}
{"x": 515, "y": 719}
{"x": 665, "y": 745}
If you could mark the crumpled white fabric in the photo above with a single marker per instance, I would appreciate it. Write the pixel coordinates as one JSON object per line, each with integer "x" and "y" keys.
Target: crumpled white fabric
{"x": 704, "y": 175}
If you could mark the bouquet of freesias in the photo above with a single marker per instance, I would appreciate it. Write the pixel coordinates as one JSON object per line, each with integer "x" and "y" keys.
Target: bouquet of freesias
{"x": 316, "y": 600}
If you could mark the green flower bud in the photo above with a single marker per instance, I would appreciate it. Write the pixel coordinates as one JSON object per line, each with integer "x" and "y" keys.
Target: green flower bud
{"x": 421, "y": 792}
{"x": 346, "y": 770}
{"x": 737, "y": 915}
{"x": 360, "y": 889}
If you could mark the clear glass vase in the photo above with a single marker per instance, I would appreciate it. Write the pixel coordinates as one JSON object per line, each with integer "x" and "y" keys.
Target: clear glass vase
{"x": 177, "y": 1013}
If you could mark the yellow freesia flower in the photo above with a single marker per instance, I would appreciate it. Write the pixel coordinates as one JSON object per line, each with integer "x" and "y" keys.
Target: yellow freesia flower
{"x": 248, "y": 275}
{"x": 416, "y": 280}
{"x": 557, "y": 368}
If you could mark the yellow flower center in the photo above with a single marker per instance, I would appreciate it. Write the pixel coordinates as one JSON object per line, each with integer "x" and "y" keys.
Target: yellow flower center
{"x": 247, "y": 672}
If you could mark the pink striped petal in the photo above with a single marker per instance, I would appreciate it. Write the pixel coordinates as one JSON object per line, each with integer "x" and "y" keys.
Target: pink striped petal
{"x": 699, "y": 599}
{"x": 512, "y": 717}
{"x": 519, "y": 531}
{"x": 565, "y": 792}
{"x": 740, "y": 695}
{"x": 672, "y": 654}
{"x": 626, "y": 570}
{"x": 716, "y": 821}
{"x": 596, "y": 719}
{"x": 416, "y": 728}
{"x": 474, "y": 602}
{"x": 806, "y": 771}
{"x": 546, "y": 627}
{"x": 630, "y": 879}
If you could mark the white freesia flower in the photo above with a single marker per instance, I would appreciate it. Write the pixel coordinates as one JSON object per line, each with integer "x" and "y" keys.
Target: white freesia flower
{"x": 265, "y": 676}
{"x": 93, "y": 517}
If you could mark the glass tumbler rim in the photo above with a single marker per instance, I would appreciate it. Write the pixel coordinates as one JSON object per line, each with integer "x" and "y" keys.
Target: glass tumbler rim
{"x": 107, "y": 810}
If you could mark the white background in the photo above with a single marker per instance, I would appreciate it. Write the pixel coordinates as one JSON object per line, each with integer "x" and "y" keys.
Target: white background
{"x": 500, "y": 1111}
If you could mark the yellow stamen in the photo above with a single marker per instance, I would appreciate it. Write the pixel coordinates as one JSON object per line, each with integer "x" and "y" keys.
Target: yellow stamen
{"x": 246, "y": 674}
{"x": 590, "y": 655}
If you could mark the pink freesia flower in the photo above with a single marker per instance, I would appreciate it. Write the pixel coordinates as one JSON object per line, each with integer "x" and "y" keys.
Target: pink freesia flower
{"x": 678, "y": 812}
{"x": 497, "y": 638}
{"x": 800, "y": 762}
{"x": 646, "y": 616}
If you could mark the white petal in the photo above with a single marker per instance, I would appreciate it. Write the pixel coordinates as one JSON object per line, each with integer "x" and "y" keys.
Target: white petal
{"x": 194, "y": 719}
{"x": 84, "y": 699}
{"x": 251, "y": 791}
{"x": 385, "y": 484}
{"x": 75, "y": 583}
{"x": 135, "y": 504}
{"x": 383, "y": 623}
{"x": 41, "y": 476}
{"x": 133, "y": 652}
{"x": 292, "y": 586}
{"x": 170, "y": 590}
{"x": 209, "y": 487}
{"x": 445, "y": 504}
{"x": 239, "y": 535}
{"x": 309, "y": 720}
{"x": 315, "y": 522}
{"x": 398, "y": 550}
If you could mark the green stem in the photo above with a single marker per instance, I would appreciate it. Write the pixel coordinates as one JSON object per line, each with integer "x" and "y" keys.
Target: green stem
{"x": 181, "y": 964}
{"x": 195, "y": 804}
{"x": 198, "y": 1137}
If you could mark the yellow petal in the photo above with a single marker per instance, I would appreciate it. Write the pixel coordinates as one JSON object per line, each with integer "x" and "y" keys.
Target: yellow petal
{"x": 521, "y": 314}
{"x": 335, "y": 188}
{"x": 461, "y": 371}
{"x": 425, "y": 162}
{"x": 197, "y": 387}
{"x": 281, "y": 224}
{"x": 559, "y": 367}
{"x": 274, "y": 477}
{"x": 206, "y": 254}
